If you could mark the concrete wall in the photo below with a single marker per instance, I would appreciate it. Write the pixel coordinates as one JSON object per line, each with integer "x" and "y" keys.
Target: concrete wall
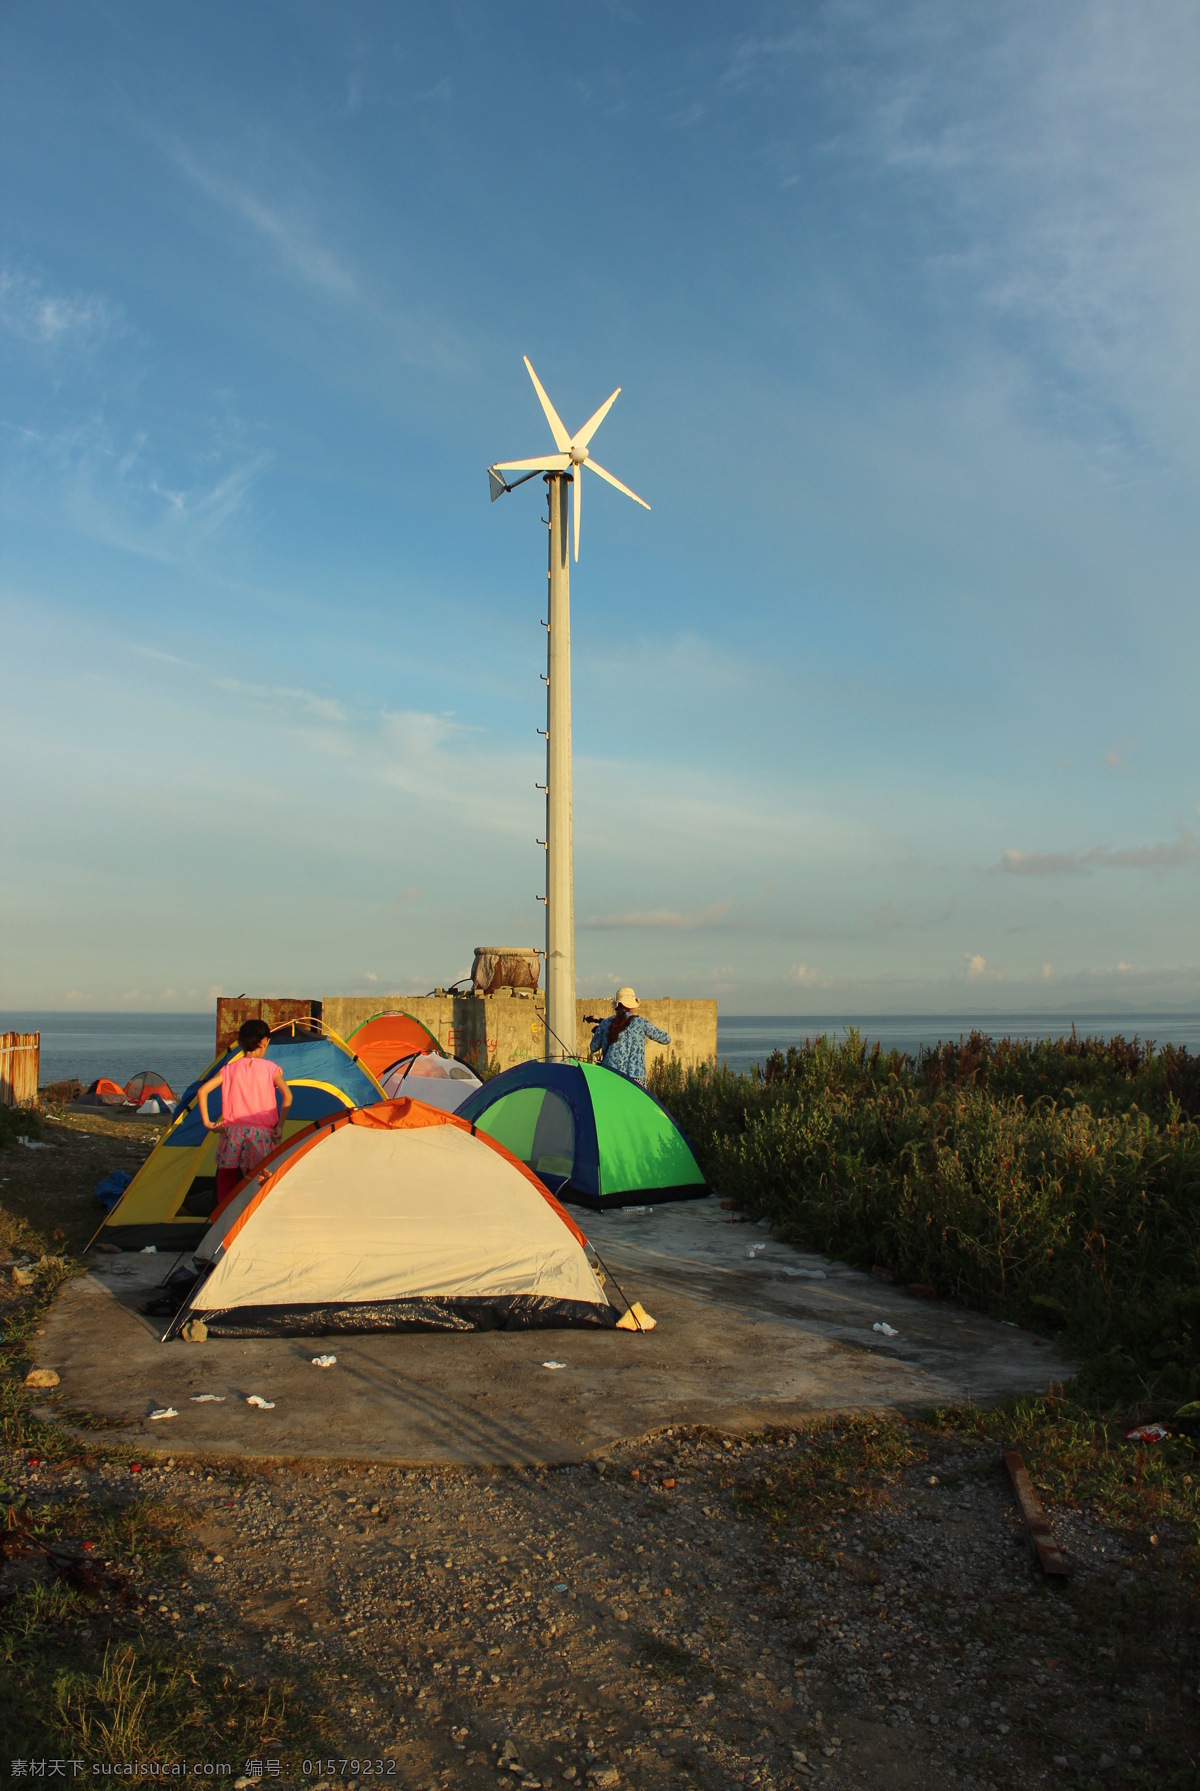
{"x": 511, "y": 1027}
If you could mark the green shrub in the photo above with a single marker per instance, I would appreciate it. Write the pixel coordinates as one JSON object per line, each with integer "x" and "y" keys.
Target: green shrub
{"x": 1055, "y": 1185}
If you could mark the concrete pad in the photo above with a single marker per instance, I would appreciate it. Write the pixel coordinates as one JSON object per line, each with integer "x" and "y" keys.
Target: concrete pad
{"x": 743, "y": 1341}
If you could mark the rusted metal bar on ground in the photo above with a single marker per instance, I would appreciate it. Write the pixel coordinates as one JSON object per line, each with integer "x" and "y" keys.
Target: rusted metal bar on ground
{"x": 1051, "y": 1559}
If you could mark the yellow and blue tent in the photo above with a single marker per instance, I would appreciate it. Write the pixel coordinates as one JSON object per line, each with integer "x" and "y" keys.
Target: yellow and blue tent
{"x": 170, "y": 1199}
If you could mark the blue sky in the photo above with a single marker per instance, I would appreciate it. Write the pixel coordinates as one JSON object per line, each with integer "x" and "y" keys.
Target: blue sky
{"x": 890, "y": 702}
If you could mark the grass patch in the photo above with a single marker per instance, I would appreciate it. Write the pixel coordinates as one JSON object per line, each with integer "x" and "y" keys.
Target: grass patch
{"x": 1078, "y": 1455}
{"x": 838, "y": 1466}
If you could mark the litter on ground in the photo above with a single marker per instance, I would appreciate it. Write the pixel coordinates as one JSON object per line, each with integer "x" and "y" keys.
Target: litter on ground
{"x": 888, "y": 1330}
{"x": 324, "y": 1361}
{"x": 553, "y": 1364}
{"x": 1147, "y": 1433}
{"x": 756, "y": 1249}
{"x": 208, "y": 1398}
{"x": 264, "y": 1405}
{"x": 163, "y": 1411}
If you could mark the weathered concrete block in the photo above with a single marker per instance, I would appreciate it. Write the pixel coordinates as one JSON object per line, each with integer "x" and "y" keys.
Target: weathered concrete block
{"x": 508, "y": 1027}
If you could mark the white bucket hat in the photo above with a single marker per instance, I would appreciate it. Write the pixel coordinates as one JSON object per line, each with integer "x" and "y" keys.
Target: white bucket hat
{"x": 627, "y": 999}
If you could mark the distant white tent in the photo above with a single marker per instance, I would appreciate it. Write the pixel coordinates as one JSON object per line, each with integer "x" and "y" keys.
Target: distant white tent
{"x": 438, "y": 1081}
{"x": 393, "y": 1217}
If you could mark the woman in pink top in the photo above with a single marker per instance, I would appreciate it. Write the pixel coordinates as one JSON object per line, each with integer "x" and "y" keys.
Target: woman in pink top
{"x": 251, "y": 1121}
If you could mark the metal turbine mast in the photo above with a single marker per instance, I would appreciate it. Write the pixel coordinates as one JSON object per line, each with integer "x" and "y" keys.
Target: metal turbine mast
{"x": 561, "y": 469}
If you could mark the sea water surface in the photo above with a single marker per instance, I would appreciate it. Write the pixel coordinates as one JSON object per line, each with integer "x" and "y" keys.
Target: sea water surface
{"x": 180, "y": 1046}
{"x": 745, "y": 1039}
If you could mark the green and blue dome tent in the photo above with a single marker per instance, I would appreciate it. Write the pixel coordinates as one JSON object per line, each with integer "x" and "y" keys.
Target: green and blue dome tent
{"x": 170, "y": 1199}
{"x": 589, "y": 1134}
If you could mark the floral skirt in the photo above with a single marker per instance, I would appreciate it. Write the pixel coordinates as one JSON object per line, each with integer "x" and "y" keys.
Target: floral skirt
{"x": 244, "y": 1147}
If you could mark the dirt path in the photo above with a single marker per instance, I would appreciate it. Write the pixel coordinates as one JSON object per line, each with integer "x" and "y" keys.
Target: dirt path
{"x": 755, "y": 1623}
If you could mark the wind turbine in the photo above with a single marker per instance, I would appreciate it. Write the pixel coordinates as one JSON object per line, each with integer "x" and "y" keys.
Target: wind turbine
{"x": 561, "y": 468}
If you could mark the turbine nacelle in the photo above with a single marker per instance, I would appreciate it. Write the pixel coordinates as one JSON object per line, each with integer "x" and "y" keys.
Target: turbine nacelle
{"x": 572, "y": 454}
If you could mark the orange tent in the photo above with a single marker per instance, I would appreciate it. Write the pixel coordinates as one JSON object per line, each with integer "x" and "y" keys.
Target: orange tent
{"x": 102, "y": 1093}
{"x": 384, "y": 1039}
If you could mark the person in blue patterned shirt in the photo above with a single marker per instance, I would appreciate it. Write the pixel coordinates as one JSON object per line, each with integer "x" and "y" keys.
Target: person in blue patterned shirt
{"x": 623, "y": 1038}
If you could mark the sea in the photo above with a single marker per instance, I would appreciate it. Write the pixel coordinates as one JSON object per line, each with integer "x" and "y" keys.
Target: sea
{"x": 180, "y": 1046}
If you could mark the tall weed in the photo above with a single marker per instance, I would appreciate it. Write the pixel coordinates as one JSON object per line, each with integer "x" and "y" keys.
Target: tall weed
{"x": 983, "y": 1171}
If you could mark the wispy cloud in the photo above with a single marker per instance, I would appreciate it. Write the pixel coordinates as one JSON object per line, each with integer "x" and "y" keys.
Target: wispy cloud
{"x": 304, "y": 703}
{"x": 33, "y": 312}
{"x": 661, "y": 919}
{"x": 1183, "y": 851}
{"x": 288, "y": 232}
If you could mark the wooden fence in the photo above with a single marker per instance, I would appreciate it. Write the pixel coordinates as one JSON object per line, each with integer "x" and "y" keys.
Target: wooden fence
{"x": 20, "y": 1053}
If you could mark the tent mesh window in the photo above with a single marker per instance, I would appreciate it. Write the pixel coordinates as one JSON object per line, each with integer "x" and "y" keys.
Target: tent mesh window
{"x": 553, "y": 1152}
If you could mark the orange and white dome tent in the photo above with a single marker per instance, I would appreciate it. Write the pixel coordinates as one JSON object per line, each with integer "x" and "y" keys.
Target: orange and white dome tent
{"x": 392, "y": 1217}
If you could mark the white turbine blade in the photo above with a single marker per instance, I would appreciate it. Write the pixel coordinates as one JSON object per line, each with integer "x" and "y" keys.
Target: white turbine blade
{"x": 561, "y": 438}
{"x": 577, "y": 482}
{"x": 604, "y": 474}
{"x": 550, "y": 463}
{"x": 583, "y": 436}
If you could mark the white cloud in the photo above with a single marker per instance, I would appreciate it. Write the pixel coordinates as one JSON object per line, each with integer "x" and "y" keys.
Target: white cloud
{"x": 1119, "y": 753}
{"x": 808, "y": 978}
{"x": 34, "y": 313}
{"x": 1183, "y": 851}
{"x": 667, "y": 919}
{"x": 976, "y": 963}
{"x": 304, "y": 703}
{"x": 288, "y": 232}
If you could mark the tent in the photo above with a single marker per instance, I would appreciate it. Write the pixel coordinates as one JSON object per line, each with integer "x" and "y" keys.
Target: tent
{"x": 385, "y": 1038}
{"x": 148, "y": 1085}
{"x": 590, "y": 1134}
{"x": 438, "y": 1081}
{"x": 169, "y": 1200}
{"x": 393, "y": 1217}
{"x": 102, "y": 1093}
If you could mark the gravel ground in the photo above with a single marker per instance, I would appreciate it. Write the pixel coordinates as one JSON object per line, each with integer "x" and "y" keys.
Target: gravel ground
{"x": 645, "y": 1620}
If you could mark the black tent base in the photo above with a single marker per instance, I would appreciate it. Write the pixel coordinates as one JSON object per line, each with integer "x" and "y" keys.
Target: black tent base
{"x": 633, "y": 1196}
{"x": 168, "y": 1236}
{"x": 511, "y": 1312}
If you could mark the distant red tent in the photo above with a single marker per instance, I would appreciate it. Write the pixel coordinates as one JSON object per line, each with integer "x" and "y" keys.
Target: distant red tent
{"x": 102, "y": 1093}
{"x": 148, "y": 1085}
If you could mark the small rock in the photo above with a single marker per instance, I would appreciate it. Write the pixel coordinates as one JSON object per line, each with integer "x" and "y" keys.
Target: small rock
{"x": 621, "y": 1614}
{"x": 1135, "y": 1752}
{"x": 604, "y": 1776}
{"x": 41, "y": 1377}
{"x": 1061, "y": 1760}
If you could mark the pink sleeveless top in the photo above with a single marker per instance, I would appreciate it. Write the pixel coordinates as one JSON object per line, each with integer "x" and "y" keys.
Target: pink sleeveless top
{"x": 248, "y": 1092}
